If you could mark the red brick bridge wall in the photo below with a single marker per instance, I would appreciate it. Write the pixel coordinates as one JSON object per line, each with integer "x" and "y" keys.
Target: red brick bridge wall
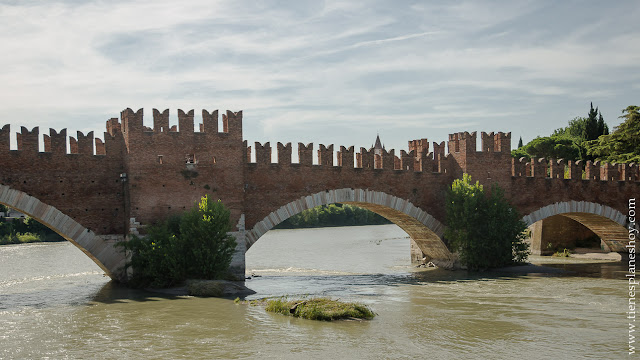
{"x": 139, "y": 174}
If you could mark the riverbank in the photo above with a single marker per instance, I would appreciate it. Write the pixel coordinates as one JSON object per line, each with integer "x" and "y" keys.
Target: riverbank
{"x": 28, "y": 238}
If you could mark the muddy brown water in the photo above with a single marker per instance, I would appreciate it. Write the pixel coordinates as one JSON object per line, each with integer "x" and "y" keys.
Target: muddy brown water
{"x": 55, "y": 303}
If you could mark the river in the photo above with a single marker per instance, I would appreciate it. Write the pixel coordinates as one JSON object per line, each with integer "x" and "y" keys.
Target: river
{"x": 56, "y": 303}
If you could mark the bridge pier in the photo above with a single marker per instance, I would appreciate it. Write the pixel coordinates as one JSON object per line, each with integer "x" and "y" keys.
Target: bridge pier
{"x": 237, "y": 268}
{"x": 417, "y": 255}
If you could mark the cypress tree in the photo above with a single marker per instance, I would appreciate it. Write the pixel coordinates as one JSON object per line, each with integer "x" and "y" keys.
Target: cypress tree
{"x": 590, "y": 131}
{"x": 603, "y": 129}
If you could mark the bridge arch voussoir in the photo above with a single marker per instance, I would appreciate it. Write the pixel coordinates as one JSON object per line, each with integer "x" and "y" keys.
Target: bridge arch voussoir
{"x": 96, "y": 247}
{"x": 422, "y": 227}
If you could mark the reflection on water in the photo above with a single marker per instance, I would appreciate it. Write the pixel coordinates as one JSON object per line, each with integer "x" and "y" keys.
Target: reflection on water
{"x": 54, "y": 302}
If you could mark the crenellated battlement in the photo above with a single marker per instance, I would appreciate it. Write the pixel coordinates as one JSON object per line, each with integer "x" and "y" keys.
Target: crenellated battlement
{"x": 493, "y": 161}
{"x": 28, "y": 142}
{"x": 5, "y": 138}
{"x": 141, "y": 174}
{"x": 465, "y": 142}
{"x": 129, "y": 134}
{"x": 345, "y": 157}
{"x": 570, "y": 170}
{"x": 462, "y": 142}
{"x": 284, "y": 153}
{"x": 417, "y": 159}
{"x": 132, "y": 122}
{"x": 263, "y": 153}
{"x": 305, "y": 154}
{"x": 130, "y": 128}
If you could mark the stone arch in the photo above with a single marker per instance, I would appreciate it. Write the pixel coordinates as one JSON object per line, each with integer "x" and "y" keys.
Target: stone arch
{"x": 606, "y": 222}
{"x": 97, "y": 247}
{"x": 423, "y": 228}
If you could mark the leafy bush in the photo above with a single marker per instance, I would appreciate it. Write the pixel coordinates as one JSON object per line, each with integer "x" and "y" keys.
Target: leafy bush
{"x": 485, "y": 230}
{"x": 192, "y": 246}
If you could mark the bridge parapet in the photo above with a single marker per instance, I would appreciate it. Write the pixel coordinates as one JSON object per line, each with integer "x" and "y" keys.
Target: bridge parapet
{"x": 364, "y": 159}
{"x": 408, "y": 161}
{"x": 263, "y": 153}
{"x": 284, "y": 153}
{"x": 496, "y": 142}
{"x": 556, "y": 169}
{"x": 132, "y": 123}
{"x": 574, "y": 170}
{"x": 325, "y": 155}
{"x": 28, "y": 143}
{"x": 345, "y": 157}
{"x": 305, "y": 154}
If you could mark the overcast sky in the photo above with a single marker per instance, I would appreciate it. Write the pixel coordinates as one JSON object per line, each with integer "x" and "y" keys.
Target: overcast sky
{"x": 331, "y": 72}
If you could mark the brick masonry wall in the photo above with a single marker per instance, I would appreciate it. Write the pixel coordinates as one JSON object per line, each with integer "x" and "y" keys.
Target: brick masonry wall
{"x": 169, "y": 168}
{"x": 83, "y": 186}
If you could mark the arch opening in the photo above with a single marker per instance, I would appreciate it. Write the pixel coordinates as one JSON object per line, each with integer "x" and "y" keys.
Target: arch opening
{"x": 424, "y": 230}
{"x": 99, "y": 248}
{"x": 568, "y": 222}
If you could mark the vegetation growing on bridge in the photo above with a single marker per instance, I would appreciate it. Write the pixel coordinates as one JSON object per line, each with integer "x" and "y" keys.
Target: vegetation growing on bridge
{"x": 195, "y": 245}
{"x": 27, "y": 230}
{"x": 485, "y": 230}
{"x": 333, "y": 215}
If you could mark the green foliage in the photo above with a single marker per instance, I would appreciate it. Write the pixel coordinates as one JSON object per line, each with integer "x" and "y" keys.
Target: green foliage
{"x": 520, "y": 143}
{"x": 583, "y": 129}
{"x": 485, "y": 230}
{"x": 563, "y": 253}
{"x": 319, "y": 309}
{"x": 27, "y": 230}
{"x": 567, "y": 143}
{"x": 332, "y": 215}
{"x": 20, "y": 238}
{"x": 520, "y": 153}
{"x": 192, "y": 246}
{"x": 209, "y": 247}
{"x": 623, "y": 145}
{"x": 553, "y": 147}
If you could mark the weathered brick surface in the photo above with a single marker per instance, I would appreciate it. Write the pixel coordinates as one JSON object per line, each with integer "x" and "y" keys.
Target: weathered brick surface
{"x": 168, "y": 169}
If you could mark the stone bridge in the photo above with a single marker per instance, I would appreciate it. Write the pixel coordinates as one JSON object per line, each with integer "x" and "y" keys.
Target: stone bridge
{"x": 94, "y": 192}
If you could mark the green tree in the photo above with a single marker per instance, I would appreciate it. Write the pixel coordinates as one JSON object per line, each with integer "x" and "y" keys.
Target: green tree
{"x": 623, "y": 144}
{"x": 520, "y": 153}
{"x": 520, "y": 142}
{"x": 195, "y": 245}
{"x": 485, "y": 231}
{"x": 204, "y": 233}
{"x": 555, "y": 147}
{"x": 603, "y": 129}
{"x": 590, "y": 131}
{"x": 567, "y": 143}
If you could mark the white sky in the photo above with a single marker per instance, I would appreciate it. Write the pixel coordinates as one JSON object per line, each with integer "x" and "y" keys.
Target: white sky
{"x": 332, "y": 72}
